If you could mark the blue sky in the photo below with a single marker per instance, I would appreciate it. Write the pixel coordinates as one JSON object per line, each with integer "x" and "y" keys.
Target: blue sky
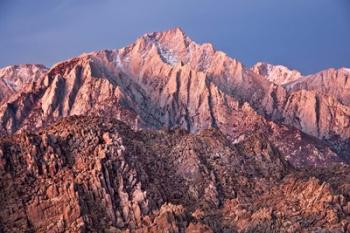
{"x": 309, "y": 35}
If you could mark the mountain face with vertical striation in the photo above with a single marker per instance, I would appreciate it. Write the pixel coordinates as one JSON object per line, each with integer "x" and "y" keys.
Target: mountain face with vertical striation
{"x": 274, "y": 129}
{"x": 318, "y": 104}
{"x": 330, "y": 82}
{"x": 166, "y": 80}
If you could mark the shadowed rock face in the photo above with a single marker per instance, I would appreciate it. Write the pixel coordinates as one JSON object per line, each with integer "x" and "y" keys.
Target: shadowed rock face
{"x": 96, "y": 174}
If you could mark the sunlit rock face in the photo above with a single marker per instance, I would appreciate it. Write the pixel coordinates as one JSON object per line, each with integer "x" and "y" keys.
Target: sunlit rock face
{"x": 278, "y": 74}
{"x": 166, "y": 80}
{"x": 14, "y": 78}
{"x": 318, "y": 104}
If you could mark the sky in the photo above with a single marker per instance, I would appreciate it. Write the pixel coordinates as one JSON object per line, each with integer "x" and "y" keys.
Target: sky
{"x": 308, "y": 35}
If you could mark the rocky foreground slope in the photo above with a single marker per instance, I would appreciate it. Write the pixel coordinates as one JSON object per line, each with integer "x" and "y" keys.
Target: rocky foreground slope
{"x": 90, "y": 174}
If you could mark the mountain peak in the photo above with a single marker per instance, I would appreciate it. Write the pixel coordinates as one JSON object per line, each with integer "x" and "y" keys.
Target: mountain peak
{"x": 172, "y": 32}
{"x": 277, "y": 74}
{"x": 171, "y": 45}
{"x": 175, "y": 31}
{"x": 173, "y": 37}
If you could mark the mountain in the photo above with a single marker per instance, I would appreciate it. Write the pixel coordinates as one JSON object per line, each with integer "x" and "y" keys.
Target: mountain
{"x": 174, "y": 136}
{"x": 166, "y": 80}
{"x": 14, "y": 78}
{"x": 317, "y": 104}
{"x": 330, "y": 82}
{"x": 277, "y": 74}
{"x": 91, "y": 174}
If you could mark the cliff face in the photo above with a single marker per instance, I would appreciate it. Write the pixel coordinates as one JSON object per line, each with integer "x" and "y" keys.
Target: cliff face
{"x": 331, "y": 82}
{"x": 166, "y": 80}
{"x": 317, "y": 104}
{"x": 94, "y": 174}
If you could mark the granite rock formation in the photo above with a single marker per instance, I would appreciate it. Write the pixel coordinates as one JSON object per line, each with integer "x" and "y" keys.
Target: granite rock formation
{"x": 91, "y": 174}
{"x": 167, "y": 135}
{"x": 317, "y": 104}
{"x": 166, "y": 80}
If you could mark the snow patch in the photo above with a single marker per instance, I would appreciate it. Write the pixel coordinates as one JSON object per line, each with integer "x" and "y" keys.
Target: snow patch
{"x": 167, "y": 56}
{"x": 118, "y": 62}
{"x": 12, "y": 85}
{"x": 347, "y": 70}
{"x": 205, "y": 60}
{"x": 121, "y": 62}
{"x": 24, "y": 72}
{"x": 278, "y": 74}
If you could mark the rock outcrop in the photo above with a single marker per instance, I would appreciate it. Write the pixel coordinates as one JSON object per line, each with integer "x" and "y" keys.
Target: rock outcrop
{"x": 92, "y": 174}
{"x": 317, "y": 104}
{"x": 331, "y": 82}
{"x": 14, "y": 78}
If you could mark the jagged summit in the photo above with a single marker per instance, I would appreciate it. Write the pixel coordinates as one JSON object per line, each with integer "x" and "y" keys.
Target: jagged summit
{"x": 175, "y": 47}
{"x": 331, "y": 82}
{"x": 164, "y": 79}
{"x": 22, "y": 72}
{"x": 168, "y": 35}
{"x": 172, "y": 47}
{"x": 278, "y": 74}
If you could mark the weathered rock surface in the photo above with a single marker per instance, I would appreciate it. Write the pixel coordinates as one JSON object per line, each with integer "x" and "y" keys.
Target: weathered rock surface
{"x": 166, "y": 80}
{"x": 330, "y": 82}
{"x": 93, "y": 174}
{"x": 14, "y": 78}
{"x": 317, "y": 104}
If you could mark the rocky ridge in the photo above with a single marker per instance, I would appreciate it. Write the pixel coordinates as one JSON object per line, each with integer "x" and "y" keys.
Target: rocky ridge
{"x": 318, "y": 104}
{"x": 91, "y": 174}
{"x": 14, "y": 78}
{"x": 277, "y": 74}
{"x": 166, "y": 80}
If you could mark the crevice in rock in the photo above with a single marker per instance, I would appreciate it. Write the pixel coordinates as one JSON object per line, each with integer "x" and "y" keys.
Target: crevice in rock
{"x": 318, "y": 112}
{"x": 210, "y": 105}
{"x": 75, "y": 88}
